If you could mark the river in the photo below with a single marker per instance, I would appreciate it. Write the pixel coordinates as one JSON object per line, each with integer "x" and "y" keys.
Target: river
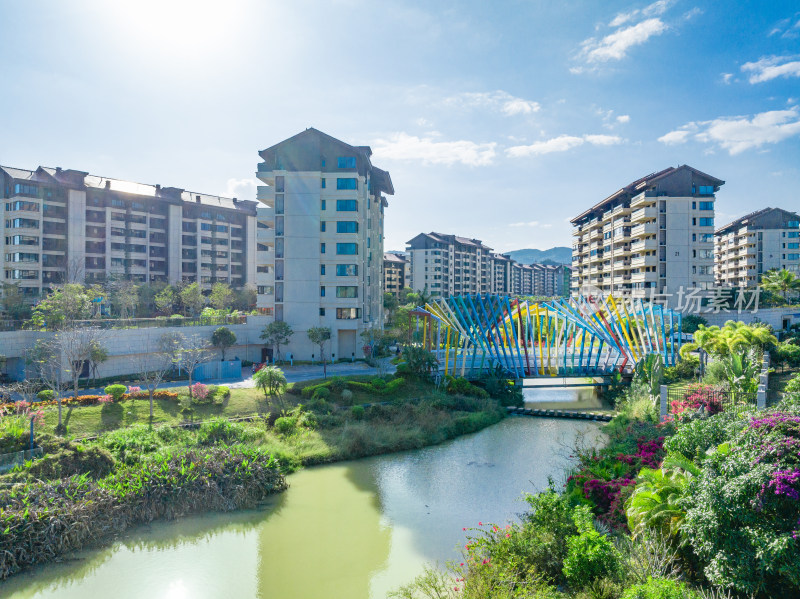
{"x": 356, "y": 529}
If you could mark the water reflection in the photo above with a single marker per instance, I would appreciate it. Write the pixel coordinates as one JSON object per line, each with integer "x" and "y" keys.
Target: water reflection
{"x": 351, "y": 530}
{"x": 563, "y": 398}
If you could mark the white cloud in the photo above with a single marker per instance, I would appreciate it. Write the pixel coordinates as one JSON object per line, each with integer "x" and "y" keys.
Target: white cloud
{"x": 772, "y": 67}
{"x": 623, "y": 118}
{"x": 243, "y": 189}
{"x": 402, "y": 146}
{"x": 786, "y": 28}
{"x": 498, "y": 100}
{"x": 562, "y": 143}
{"x": 615, "y": 45}
{"x": 423, "y": 122}
{"x": 654, "y": 9}
{"x": 675, "y": 137}
{"x": 691, "y": 14}
{"x": 739, "y": 133}
{"x": 726, "y": 78}
{"x": 532, "y": 223}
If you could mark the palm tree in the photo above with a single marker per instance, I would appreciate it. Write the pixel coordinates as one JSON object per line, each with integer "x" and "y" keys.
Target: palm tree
{"x": 780, "y": 281}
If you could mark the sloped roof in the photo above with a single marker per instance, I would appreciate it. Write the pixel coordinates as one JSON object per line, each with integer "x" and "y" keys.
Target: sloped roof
{"x": 753, "y": 217}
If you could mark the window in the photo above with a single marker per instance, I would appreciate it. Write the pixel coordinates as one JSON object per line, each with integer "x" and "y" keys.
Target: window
{"x": 706, "y": 205}
{"x": 793, "y": 246}
{"x": 321, "y": 248}
{"x": 321, "y": 269}
{"x": 346, "y": 162}
{"x": 322, "y": 311}
{"x": 279, "y": 183}
{"x": 27, "y": 206}
{"x": 346, "y": 270}
{"x": 22, "y": 223}
{"x": 322, "y": 226}
{"x": 705, "y": 190}
{"x": 793, "y": 234}
{"x": 349, "y": 291}
{"x": 322, "y": 291}
{"x": 348, "y": 313}
{"x": 22, "y": 240}
{"x": 793, "y": 224}
{"x": 347, "y": 249}
{"x": 793, "y": 256}
{"x": 322, "y": 182}
{"x": 346, "y": 205}
{"x": 347, "y": 226}
{"x": 322, "y": 204}
{"x": 22, "y": 189}
{"x": 348, "y": 183}
{"x": 204, "y": 226}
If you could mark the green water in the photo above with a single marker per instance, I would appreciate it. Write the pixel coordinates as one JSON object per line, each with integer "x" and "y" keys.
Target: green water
{"x": 353, "y": 530}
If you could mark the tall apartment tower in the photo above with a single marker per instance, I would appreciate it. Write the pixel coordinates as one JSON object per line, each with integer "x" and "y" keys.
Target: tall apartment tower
{"x": 320, "y": 240}
{"x": 760, "y": 241}
{"x": 653, "y": 236}
{"x": 68, "y": 226}
{"x": 449, "y": 265}
{"x": 394, "y": 273}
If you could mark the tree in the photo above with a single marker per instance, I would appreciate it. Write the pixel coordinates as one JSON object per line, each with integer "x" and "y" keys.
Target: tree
{"x": 65, "y": 304}
{"x": 781, "y": 281}
{"x": 245, "y": 298}
{"x": 46, "y": 359}
{"x": 194, "y": 351}
{"x": 165, "y": 300}
{"x": 153, "y": 367}
{"x": 192, "y": 298}
{"x": 75, "y": 347}
{"x": 277, "y": 333}
{"x": 124, "y": 297}
{"x": 221, "y": 296}
{"x": 320, "y": 336}
{"x": 419, "y": 361}
{"x": 271, "y": 380}
{"x": 97, "y": 355}
{"x": 222, "y": 339}
{"x": 14, "y": 304}
{"x": 691, "y": 322}
{"x": 147, "y": 299}
{"x": 404, "y": 295}
{"x": 390, "y": 302}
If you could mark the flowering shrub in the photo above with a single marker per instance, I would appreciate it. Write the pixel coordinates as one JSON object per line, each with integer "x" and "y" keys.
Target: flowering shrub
{"x": 132, "y": 390}
{"x": 696, "y": 396}
{"x": 743, "y": 520}
{"x": 104, "y": 399}
{"x": 199, "y": 391}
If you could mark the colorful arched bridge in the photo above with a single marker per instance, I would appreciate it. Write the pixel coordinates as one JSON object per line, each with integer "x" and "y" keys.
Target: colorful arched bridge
{"x": 567, "y": 337}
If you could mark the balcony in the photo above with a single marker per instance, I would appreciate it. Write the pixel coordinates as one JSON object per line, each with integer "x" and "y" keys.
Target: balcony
{"x": 641, "y": 261}
{"x": 643, "y": 200}
{"x": 644, "y": 229}
{"x": 646, "y": 213}
{"x": 644, "y": 244}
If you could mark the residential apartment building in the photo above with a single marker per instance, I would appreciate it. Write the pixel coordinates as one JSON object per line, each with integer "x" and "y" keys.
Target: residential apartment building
{"x": 63, "y": 225}
{"x": 653, "y": 236}
{"x": 449, "y": 265}
{"x": 760, "y": 241}
{"x": 394, "y": 273}
{"x": 452, "y": 265}
{"x": 320, "y": 240}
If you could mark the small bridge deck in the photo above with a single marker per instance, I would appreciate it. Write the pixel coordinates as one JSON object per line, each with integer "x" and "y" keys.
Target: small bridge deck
{"x": 574, "y": 414}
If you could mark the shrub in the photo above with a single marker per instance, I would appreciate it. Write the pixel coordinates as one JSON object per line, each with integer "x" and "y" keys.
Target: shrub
{"x": 347, "y": 397}
{"x": 461, "y": 386}
{"x": 357, "y": 412}
{"x": 73, "y": 459}
{"x": 660, "y": 588}
{"x": 695, "y": 437}
{"x": 220, "y": 430}
{"x": 115, "y": 391}
{"x": 378, "y": 384}
{"x": 338, "y": 384}
{"x": 321, "y": 393}
{"x": 45, "y": 395}
{"x": 286, "y": 425}
{"x": 199, "y": 392}
{"x": 743, "y": 512}
{"x": 590, "y": 555}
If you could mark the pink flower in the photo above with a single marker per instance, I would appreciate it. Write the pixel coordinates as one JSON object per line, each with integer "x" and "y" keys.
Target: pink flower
{"x": 480, "y": 523}
{"x": 105, "y": 399}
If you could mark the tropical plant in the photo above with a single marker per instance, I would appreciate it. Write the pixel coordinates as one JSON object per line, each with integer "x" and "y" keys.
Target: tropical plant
{"x": 420, "y": 361}
{"x": 691, "y": 322}
{"x": 733, "y": 336}
{"x": 271, "y": 381}
{"x": 590, "y": 554}
{"x": 741, "y": 369}
{"x": 222, "y": 339}
{"x": 650, "y": 372}
{"x": 781, "y": 281}
{"x": 319, "y": 336}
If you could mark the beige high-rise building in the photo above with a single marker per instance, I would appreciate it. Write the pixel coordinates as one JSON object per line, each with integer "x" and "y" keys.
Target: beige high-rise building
{"x": 449, "y": 265}
{"x": 753, "y": 244}
{"x": 62, "y": 226}
{"x": 320, "y": 240}
{"x": 394, "y": 273}
{"x": 654, "y": 236}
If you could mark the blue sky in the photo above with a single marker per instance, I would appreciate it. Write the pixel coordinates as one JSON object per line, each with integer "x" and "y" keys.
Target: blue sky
{"x": 497, "y": 120}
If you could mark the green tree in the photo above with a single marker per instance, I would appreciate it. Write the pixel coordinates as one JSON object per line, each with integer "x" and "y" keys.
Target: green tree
{"x": 781, "y": 281}
{"x": 275, "y": 334}
{"x": 271, "y": 381}
{"x": 192, "y": 298}
{"x": 403, "y": 299}
{"x": 65, "y": 304}
{"x": 390, "y": 302}
{"x": 165, "y": 300}
{"x": 147, "y": 296}
{"x": 245, "y": 298}
{"x": 691, "y": 322}
{"x": 221, "y": 296}
{"x": 320, "y": 336}
{"x": 419, "y": 361}
{"x": 15, "y": 304}
{"x": 222, "y": 339}
{"x": 124, "y": 297}
{"x": 97, "y": 355}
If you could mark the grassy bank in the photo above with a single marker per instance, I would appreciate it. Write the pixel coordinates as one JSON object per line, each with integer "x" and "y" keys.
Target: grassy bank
{"x": 131, "y": 471}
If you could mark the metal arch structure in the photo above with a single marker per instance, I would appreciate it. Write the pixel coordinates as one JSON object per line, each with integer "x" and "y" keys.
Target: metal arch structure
{"x": 565, "y": 337}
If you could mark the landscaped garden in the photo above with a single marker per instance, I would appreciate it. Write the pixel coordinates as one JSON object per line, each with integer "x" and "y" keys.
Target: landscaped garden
{"x": 704, "y": 505}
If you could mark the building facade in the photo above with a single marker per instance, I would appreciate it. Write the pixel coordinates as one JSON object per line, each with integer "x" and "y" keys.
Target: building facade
{"x": 394, "y": 273}
{"x": 652, "y": 237}
{"x": 320, "y": 240}
{"x": 62, "y": 225}
{"x": 750, "y": 246}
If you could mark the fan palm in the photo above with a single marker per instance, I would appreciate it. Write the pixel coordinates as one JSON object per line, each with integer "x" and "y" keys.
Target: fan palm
{"x": 781, "y": 281}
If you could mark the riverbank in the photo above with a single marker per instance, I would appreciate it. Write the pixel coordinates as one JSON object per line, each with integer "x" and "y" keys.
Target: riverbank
{"x": 94, "y": 472}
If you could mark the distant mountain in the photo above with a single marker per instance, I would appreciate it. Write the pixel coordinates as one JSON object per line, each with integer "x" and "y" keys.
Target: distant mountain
{"x": 556, "y": 255}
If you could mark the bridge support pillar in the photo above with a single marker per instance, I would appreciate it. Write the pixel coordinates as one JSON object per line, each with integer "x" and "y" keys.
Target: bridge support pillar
{"x": 663, "y": 402}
